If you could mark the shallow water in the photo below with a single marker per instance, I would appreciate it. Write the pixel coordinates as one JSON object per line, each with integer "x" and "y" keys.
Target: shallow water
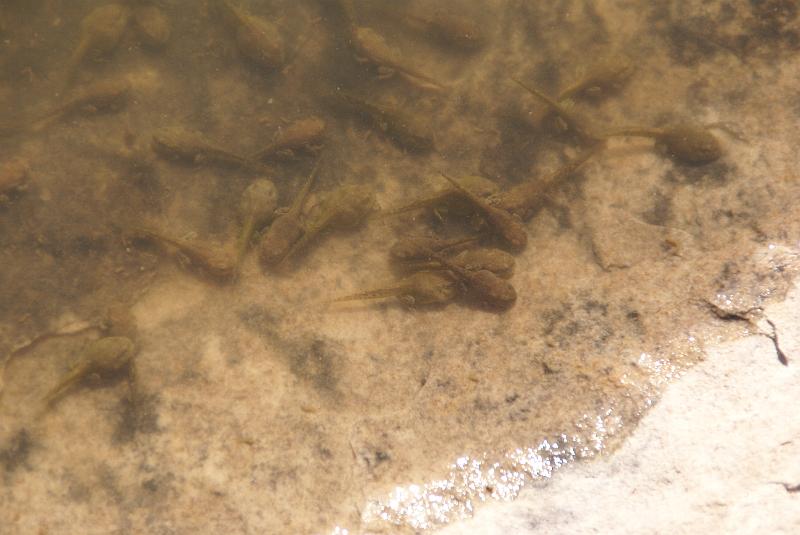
{"x": 255, "y": 404}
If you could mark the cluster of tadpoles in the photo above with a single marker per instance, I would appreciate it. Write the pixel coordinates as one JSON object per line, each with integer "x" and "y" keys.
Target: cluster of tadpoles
{"x": 283, "y": 232}
{"x": 438, "y": 269}
{"x": 435, "y": 270}
{"x": 442, "y": 268}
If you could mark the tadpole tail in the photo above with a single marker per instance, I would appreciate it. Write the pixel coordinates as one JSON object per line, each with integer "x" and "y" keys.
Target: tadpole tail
{"x": 570, "y": 92}
{"x": 541, "y": 96}
{"x": 43, "y": 122}
{"x": 581, "y": 127}
{"x": 311, "y": 233}
{"x": 416, "y": 205}
{"x": 300, "y": 244}
{"x": 376, "y": 214}
{"x": 447, "y": 264}
{"x": 620, "y": 72}
{"x": 423, "y": 81}
{"x": 63, "y": 387}
{"x": 300, "y": 199}
{"x": 420, "y": 204}
{"x": 154, "y": 235}
{"x": 380, "y": 293}
{"x": 263, "y": 154}
{"x": 457, "y": 244}
{"x": 163, "y": 239}
{"x": 256, "y": 166}
{"x": 54, "y": 395}
{"x": 244, "y": 238}
{"x": 464, "y": 191}
{"x": 296, "y": 206}
{"x": 574, "y": 164}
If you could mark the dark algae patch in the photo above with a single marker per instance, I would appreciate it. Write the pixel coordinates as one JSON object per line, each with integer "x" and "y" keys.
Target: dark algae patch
{"x": 265, "y": 265}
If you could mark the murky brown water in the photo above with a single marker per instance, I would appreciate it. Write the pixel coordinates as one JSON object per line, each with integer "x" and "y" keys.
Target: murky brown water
{"x": 253, "y": 403}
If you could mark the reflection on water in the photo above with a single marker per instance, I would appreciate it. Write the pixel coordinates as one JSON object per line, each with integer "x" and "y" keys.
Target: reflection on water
{"x": 285, "y": 266}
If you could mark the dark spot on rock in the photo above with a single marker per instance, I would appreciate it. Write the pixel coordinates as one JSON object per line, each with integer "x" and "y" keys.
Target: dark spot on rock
{"x": 373, "y": 457}
{"x": 660, "y": 211}
{"x": 688, "y": 45}
{"x": 519, "y": 415}
{"x": 484, "y": 404}
{"x": 571, "y": 328}
{"x": 593, "y": 306}
{"x": 315, "y": 363}
{"x": 77, "y": 491}
{"x": 446, "y": 383}
{"x": 17, "y": 451}
{"x": 136, "y": 415}
{"x": 736, "y": 96}
{"x": 552, "y": 318}
{"x": 256, "y": 318}
{"x": 150, "y": 485}
{"x": 771, "y": 18}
